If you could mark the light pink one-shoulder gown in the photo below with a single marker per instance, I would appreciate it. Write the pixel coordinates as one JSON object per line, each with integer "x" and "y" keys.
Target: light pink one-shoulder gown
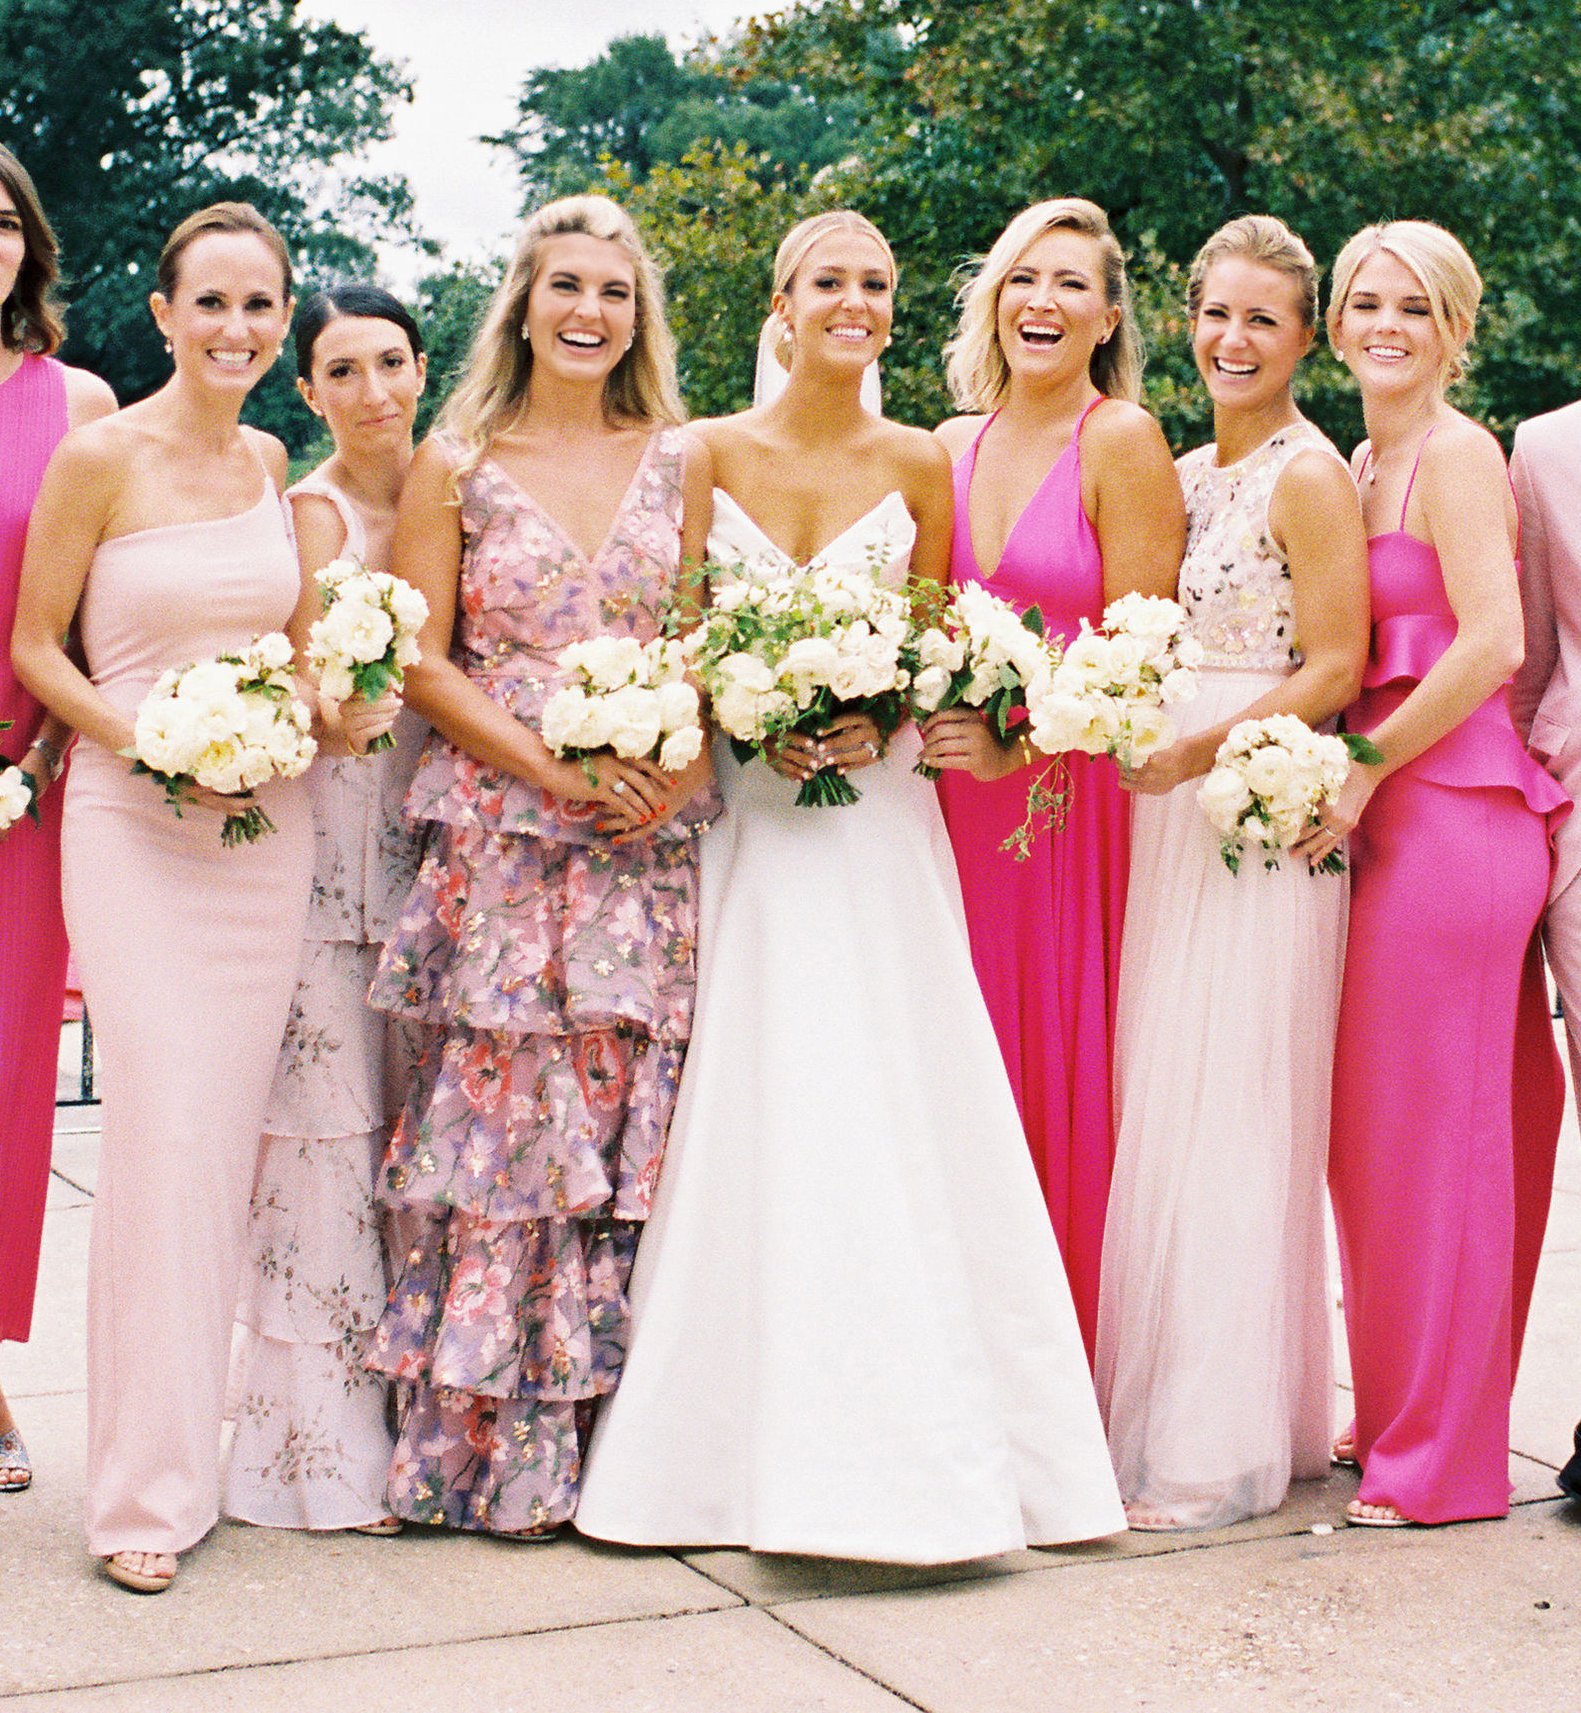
{"x": 188, "y": 953}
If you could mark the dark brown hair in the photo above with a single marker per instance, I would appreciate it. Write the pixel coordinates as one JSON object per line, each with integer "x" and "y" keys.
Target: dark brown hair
{"x": 30, "y": 319}
{"x": 218, "y": 217}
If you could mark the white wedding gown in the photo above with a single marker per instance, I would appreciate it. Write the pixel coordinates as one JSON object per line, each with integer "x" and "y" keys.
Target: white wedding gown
{"x": 851, "y": 1331}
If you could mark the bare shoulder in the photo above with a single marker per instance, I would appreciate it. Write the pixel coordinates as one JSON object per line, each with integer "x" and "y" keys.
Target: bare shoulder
{"x": 1314, "y": 476}
{"x": 721, "y": 434}
{"x": 1461, "y": 452}
{"x": 276, "y": 460}
{"x": 1118, "y": 428}
{"x": 915, "y": 451}
{"x": 956, "y": 433}
{"x": 697, "y": 457}
{"x": 87, "y": 397}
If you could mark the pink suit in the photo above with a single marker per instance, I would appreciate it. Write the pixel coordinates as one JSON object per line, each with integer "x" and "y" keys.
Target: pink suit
{"x": 1546, "y": 696}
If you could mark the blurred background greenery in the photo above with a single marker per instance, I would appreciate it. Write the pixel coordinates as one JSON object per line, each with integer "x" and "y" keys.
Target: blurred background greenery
{"x": 939, "y": 120}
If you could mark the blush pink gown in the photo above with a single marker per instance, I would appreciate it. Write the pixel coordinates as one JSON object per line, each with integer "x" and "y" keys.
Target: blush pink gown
{"x": 1045, "y": 933}
{"x": 188, "y": 953}
{"x": 1448, "y": 1089}
{"x": 32, "y": 933}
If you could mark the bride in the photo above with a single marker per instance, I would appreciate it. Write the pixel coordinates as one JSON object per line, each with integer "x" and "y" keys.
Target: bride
{"x": 852, "y": 1334}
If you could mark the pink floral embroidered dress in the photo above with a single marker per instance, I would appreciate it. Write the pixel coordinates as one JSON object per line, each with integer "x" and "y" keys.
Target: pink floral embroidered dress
{"x": 560, "y": 971}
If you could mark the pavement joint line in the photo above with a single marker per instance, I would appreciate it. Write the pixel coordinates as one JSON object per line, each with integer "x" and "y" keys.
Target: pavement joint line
{"x": 204, "y": 1671}
{"x": 840, "y": 1659}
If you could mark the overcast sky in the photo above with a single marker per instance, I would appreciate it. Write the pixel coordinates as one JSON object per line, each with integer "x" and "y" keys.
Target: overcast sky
{"x": 467, "y": 59}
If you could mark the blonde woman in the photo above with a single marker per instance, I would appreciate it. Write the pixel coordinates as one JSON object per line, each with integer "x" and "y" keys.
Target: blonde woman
{"x": 548, "y": 940}
{"x": 1447, "y": 1085}
{"x": 1213, "y": 1329}
{"x": 852, "y": 1333}
{"x": 1065, "y": 499}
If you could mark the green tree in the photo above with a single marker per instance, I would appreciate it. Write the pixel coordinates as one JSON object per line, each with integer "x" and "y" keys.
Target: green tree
{"x": 639, "y": 104}
{"x": 1176, "y": 115}
{"x": 132, "y": 115}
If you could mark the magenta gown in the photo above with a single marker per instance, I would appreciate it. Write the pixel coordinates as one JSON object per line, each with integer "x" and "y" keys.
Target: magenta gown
{"x": 32, "y": 931}
{"x": 1045, "y": 933}
{"x": 1448, "y": 1089}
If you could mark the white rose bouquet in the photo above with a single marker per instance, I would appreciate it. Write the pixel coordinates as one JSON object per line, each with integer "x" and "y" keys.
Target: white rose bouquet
{"x": 16, "y": 797}
{"x": 228, "y": 725}
{"x": 1269, "y": 783}
{"x": 789, "y": 652}
{"x": 978, "y": 652}
{"x": 1109, "y": 693}
{"x": 367, "y": 636}
{"x": 626, "y": 696}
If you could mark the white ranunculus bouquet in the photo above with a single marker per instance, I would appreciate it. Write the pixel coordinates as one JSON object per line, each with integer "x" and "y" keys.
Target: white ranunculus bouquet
{"x": 16, "y": 797}
{"x": 978, "y": 652}
{"x": 1111, "y": 690}
{"x": 627, "y": 696}
{"x": 367, "y": 636}
{"x": 1269, "y": 783}
{"x": 227, "y": 724}
{"x": 790, "y": 651}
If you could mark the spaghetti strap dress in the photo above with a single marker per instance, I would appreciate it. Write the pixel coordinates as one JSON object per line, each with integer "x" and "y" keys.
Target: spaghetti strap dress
{"x": 188, "y": 953}
{"x": 33, "y": 422}
{"x": 312, "y": 1444}
{"x": 1046, "y": 932}
{"x": 1448, "y": 1090}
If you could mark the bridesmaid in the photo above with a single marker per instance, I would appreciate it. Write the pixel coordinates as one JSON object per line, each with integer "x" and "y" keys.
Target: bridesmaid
{"x": 1213, "y": 1321}
{"x": 1446, "y": 1110}
{"x": 1065, "y": 498}
{"x": 160, "y": 534}
{"x": 39, "y": 400}
{"x": 549, "y": 937}
{"x": 312, "y": 1446}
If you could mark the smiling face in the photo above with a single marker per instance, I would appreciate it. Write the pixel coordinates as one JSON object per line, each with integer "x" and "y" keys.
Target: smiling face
{"x": 13, "y": 242}
{"x": 581, "y": 307}
{"x": 841, "y": 302}
{"x": 1052, "y": 309}
{"x": 1386, "y": 335}
{"x": 228, "y": 313}
{"x": 366, "y": 382}
{"x": 1249, "y": 333}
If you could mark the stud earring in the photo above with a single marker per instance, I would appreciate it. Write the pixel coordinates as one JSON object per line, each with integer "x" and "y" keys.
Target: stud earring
{"x": 170, "y": 349}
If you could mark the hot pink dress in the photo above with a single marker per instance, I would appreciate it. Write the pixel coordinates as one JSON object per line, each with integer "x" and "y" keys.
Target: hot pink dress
{"x": 32, "y": 933}
{"x": 1448, "y": 1089}
{"x": 1045, "y": 933}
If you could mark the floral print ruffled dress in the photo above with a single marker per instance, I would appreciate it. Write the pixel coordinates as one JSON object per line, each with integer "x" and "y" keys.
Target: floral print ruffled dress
{"x": 560, "y": 971}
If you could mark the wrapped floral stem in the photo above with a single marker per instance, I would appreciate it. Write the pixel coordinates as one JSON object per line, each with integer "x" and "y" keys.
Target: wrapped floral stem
{"x": 225, "y": 725}
{"x": 367, "y": 636}
{"x": 1270, "y": 783}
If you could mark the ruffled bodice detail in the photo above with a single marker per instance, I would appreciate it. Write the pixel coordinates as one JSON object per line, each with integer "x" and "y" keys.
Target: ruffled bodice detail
{"x": 1235, "y": 579}
{"x": 1412, "y": 624}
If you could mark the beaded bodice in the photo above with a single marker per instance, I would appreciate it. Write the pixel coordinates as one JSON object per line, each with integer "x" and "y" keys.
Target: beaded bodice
{"x": 1235, "y": 579}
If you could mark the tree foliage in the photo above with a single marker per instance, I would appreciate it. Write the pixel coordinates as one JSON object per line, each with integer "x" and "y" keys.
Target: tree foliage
{"x": 133, "y": 115}
{"x": 1176, "y": 115}
{"x": 639, "y": 104}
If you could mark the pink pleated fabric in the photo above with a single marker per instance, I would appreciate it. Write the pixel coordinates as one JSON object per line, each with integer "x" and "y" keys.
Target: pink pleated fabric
{"x": 1045, "y": 933}
{"x": 32, "y": 932}
{"x": 1448, "y": 1089}
{"x": 188, "y": 953}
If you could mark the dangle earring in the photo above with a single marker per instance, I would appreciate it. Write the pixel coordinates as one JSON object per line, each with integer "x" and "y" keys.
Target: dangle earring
{"x": 170, "y": 349}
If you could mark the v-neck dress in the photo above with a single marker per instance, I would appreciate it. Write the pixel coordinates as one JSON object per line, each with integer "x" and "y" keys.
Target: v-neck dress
{"x": 557, "y": 972}
{"x": 1046, "y": 932}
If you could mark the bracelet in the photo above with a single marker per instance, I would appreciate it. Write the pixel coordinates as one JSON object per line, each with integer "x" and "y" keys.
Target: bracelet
{"x": 52, "y": 757}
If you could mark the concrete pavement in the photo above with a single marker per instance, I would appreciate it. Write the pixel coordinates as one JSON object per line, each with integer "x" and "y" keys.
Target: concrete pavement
{"x": 1286, "y": 1612}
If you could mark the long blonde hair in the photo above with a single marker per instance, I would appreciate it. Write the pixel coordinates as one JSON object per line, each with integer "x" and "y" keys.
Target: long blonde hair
{"x": 1449, "y": 279}
{"x": 975, "y": 365}
{"x": 642, "y": 386}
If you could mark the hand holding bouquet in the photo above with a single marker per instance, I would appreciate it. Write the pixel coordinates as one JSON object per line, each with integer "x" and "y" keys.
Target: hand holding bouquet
{"x": 16, "y": 797}
{"x": 1109, "y": 693}
{"x": 626, "y": 696}
{"x": 790, "y": 652}
{"x": 367, "y": 636}
{"x": 979, "y": 653}
{"x": 1270, "y": 782}
{"x": 226, "y": 725}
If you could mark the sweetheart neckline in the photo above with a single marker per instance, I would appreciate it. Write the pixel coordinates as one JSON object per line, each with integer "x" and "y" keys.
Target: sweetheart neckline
{"x": 828, "y": 547}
